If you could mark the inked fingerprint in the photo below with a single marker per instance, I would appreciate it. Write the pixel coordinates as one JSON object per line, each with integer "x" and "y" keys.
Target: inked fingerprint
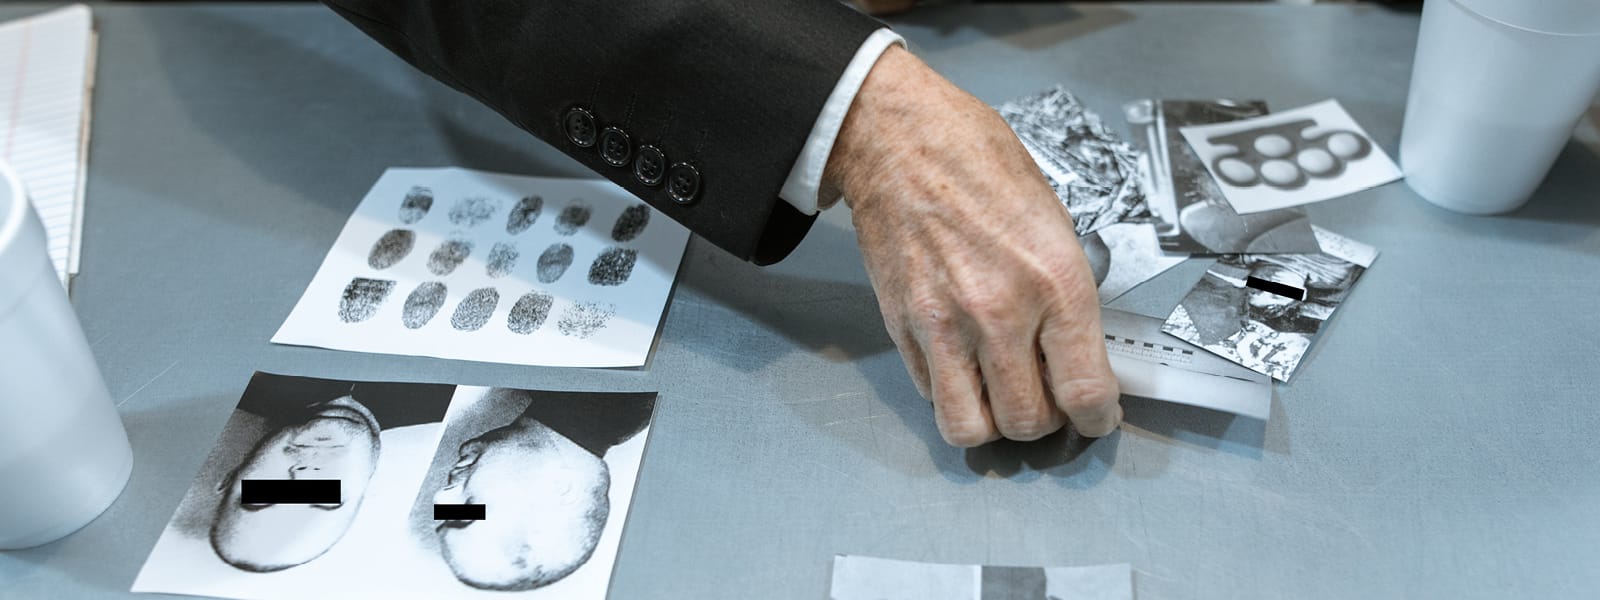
{"x": 469, "y": 212}
{"x": 448, "y": 256}
{"x": 391, "y": 248}
{"x": 423, "y": 303}
{"x": 529, "y": 312}
{"x": 554, "y": 262}
{"x": 574, "y": 216}
{"x": 631, "y": 223}
{"x": 524, "y": 214}
{"x": 613, "y": 266}
{"x": 362, "y": 298}
{"x": 416, "y": 205}
{"x": 583, "y": 319}
{"x": 475, "y": 309}
{"x": 502, "y": 259}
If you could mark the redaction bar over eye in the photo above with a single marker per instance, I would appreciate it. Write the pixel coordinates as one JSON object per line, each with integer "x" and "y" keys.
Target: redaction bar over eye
{"x": 1273, "y": 287}
{"x": 289, "y": 491}
{"x": 459, "y": 512}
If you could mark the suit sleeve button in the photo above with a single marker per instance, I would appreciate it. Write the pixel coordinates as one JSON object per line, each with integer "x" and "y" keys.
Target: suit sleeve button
{"x": 615, "y": 148}
{"x": 649, "y": 165}
{"x": 580, "y": 128}
{"x": 683, "y": 183}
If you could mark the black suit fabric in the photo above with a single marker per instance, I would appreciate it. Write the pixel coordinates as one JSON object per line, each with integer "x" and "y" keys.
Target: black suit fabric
{"x": 730, "y": 88}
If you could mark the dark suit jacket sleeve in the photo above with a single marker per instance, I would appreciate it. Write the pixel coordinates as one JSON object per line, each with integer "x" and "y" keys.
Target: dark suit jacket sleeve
{"x": 726, "y": 90}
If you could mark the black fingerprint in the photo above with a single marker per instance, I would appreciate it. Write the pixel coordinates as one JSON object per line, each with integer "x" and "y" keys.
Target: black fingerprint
{"x": 574, "y": 216}
{"x": 423, "y": 303}
{"x": 475, "y": 309}
{"x": 502, "y": 259}
{"x": 583, "y": 319}
{"x": 362, "y": 298}
{"x": 448, "y": 256}
{"x": 391, "y": 248}
{"x": 469, "y": 212}
{"x": 613, "y": 266}
{"x": 554, "y": 262}
{"x": 524, "y": 214}
{"x": 529, "y": 312}
{"x": 631, "y": 223}
{"x": 416, "y": 205}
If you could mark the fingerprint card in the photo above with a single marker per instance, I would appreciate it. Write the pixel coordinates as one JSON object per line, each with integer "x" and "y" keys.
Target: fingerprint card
{"x": 469, "y": 265}
{"x": 1289, "y": 158}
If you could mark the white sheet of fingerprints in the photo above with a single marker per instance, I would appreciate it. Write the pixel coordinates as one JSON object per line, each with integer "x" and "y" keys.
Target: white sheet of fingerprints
{"x": 470, "y": 265}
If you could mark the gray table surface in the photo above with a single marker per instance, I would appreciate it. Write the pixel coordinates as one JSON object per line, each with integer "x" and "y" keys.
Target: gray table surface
{"x": 1440, "y": 441}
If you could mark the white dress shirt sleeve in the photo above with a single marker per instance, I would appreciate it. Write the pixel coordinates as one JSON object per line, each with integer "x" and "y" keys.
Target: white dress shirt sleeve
{"x": 803, "y": 186}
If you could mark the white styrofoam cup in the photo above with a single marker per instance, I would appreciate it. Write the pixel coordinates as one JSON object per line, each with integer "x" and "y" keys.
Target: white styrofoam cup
{"x": 1497, "y": 88}
{"x": 64, "y": 456}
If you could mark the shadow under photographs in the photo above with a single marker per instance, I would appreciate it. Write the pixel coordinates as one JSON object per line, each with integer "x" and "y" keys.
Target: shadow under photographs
{"x": 1164, "y": 422}
{"x": 1073, "y": 460}
{"x": 1026, "y": 25}
{"x": 312, "y": 122}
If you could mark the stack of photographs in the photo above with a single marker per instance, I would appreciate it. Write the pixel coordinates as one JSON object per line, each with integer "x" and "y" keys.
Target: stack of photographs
{"x": 1093, "y": 172}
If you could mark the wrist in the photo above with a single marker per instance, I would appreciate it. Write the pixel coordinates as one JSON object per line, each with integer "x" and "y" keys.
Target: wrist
{"x": 877, "y": 116}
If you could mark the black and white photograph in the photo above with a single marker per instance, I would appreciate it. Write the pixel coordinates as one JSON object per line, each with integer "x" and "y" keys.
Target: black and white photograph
{"x": 1124, "y": 255}
{"x": 554, "y": 473}
{"x": 374, "y": 439}
{"x": 1092, "y": 170}
{"x": 1263, "y": 311}
{"x": 870, "y": 578}
{"x": 1288, "y": 158}
{"x": 1195, "y": 217}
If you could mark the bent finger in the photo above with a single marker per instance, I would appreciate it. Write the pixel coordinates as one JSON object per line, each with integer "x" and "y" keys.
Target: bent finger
{"x": 1081, "y": 380}
{"x": 1022, "y": 409}
{"x": 958, "y": 405}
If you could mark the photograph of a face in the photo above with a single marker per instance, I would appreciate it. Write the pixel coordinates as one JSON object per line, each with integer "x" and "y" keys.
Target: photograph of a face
{"x": 1093, "y": 172}
{"x": 870, "y": 578}
{"x": 1195, "y": 217}
{"x": 1262, "y": 311}
{"x": 552, "y": 471}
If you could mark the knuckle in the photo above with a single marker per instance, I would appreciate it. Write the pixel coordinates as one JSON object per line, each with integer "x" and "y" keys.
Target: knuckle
{"x": 1026, "y": 428}
{"x": 1083, "y": 395}
{"x": 932, "y": 313}
{"x": 988, "y": 308}
{"x": 964, "y": 433}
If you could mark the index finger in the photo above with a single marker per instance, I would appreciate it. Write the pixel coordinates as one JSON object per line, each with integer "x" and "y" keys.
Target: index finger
{"x": 1081, "y": 380}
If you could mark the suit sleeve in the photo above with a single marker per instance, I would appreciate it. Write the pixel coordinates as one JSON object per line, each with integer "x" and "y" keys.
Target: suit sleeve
{"x": 698, "y": 107}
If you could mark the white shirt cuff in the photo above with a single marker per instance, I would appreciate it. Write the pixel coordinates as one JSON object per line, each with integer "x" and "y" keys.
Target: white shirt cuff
{"x": 805, "y": 178}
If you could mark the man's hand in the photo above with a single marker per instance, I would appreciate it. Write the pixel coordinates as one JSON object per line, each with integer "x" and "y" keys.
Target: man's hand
{"x": 982, "y": 283}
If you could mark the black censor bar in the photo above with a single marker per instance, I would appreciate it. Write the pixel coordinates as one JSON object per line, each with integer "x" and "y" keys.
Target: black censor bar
{"x": 458, "y": 512}
{"x": 289, "y": 491}
{"x": 1273, "y": 287}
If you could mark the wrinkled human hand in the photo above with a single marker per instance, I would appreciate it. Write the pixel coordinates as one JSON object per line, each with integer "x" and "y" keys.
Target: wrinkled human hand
{"x": 982, "y": 283}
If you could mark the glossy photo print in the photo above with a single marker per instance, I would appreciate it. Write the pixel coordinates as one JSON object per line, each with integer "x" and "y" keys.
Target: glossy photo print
{"x": 324, "y": 488}
{"x": 1093, "y": 172}
{"x": 1263, "y": 311}
{"x": 1194, "y": 215}
{"x": 869, "y": 578}
{"x": 298, "y": 438}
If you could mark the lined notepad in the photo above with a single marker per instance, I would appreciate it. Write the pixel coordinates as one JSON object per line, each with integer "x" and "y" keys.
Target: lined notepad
{"x": 46, "y": 71}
